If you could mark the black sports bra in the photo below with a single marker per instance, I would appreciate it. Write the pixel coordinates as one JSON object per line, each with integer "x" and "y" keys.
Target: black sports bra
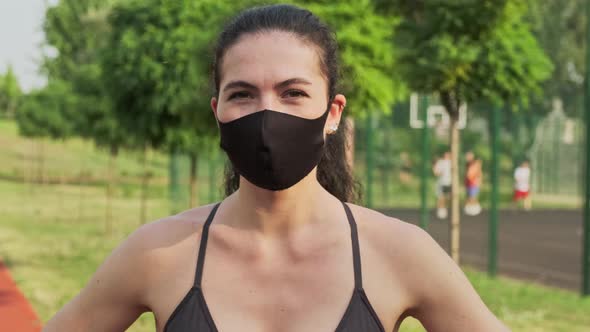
{"x": 192, "y": 314}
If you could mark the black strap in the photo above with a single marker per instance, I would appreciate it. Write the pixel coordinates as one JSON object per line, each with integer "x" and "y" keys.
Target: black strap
{"x": 203, "y": 246}
{"x": 356, "y": 255}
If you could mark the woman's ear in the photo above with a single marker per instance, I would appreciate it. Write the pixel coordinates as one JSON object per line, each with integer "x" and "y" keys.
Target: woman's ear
{"x": 214, "y": 108}
{"x": 336, "y": 108}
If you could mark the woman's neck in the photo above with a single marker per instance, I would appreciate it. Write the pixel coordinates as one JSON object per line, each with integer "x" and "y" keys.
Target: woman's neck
{"x": 278, "y": 213}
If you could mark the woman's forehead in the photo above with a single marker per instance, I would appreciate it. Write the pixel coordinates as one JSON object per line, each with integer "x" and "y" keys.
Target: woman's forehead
{"x": 267, "y": 57}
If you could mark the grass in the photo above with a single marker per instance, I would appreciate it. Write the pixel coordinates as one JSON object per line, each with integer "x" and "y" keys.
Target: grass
{"x": 53, "y": 250}
{"x": 526, "y": 307}
{"x": 52, "y": 236}
{"x": 530, "y": 307}
{"x": 64, "y": 158}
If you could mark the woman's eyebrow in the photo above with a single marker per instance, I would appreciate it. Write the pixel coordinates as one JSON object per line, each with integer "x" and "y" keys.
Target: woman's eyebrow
{"x": 296, "y": 80}
{"x": 283, "y": 84}
{"x": 239, "y": 84}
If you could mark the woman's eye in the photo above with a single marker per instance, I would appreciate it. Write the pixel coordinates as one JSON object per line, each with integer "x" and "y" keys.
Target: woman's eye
{"x": 239, "y": 95}
{"x": 294, "y": 94}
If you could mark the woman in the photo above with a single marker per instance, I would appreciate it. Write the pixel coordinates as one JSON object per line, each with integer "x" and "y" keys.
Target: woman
{"x": 281, "y": 253}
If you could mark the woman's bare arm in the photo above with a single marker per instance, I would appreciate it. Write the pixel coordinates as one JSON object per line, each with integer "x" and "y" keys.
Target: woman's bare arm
{"x": 113, "y": 298}
{"x": 445, "y": 299}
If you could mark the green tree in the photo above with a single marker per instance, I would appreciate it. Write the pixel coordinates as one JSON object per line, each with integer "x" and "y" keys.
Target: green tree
{"x": 369, "y": 77}
{"x": 46, "y": 113}
{"x": 10, "y": 92}
{"x": 465, "y": 51}
{"x": 157, "y": 66}
{"x": 78, "y": 30}
{"x": 560, "y": 28}
{"x": 78, "y": 63}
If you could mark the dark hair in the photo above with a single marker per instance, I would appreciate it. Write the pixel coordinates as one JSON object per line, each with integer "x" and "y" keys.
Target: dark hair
{"x": 334, "y": 172}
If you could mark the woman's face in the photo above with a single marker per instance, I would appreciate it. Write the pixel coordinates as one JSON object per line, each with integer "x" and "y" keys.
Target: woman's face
{"x": 277, "y": 71}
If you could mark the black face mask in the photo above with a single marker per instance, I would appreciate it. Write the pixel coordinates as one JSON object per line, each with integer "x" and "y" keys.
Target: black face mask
{"x": 274, "y": 150}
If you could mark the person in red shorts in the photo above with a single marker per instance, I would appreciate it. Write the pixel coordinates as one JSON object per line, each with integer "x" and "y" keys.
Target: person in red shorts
{"x": 522, "y": 176}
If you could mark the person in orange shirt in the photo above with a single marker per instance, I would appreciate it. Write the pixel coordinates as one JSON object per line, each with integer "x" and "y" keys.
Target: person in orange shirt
{"x": 473, "y": 178}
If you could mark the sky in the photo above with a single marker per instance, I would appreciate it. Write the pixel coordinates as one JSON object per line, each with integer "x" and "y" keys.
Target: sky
{"x": 21, "y": 35}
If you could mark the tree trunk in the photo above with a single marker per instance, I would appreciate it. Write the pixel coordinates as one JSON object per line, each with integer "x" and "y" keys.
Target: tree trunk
{"x": 41, "y": 156}
{"x": 144, "y": 186}
{"x": 26, "y": 166}
{"x": 173, "y": 182}
{"x": 194, "y": 198}
{"x": 455, "y": 209}
{"x": 111, "y": 179}
{"x": 60, "y": 190}
{"x": 27, "y": 177}
{"x": 31, "y": 166}
{"x": 61, "y": 194}
{"x": 81, "y": 187}
{"x": 451, "y": 101}
{"x": 515, "y": 150}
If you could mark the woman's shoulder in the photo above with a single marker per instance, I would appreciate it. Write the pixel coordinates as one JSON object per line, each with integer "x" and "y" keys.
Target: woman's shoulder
{"x": 381, "y": 227}
{"x": 167, "y": 233}
{"x": 189, "y": 220}
{"x": 158, "y": 245}
{"x": 410, "y": 253}
{"x": 156, "y": 250}
{"x": 399, "y": 242}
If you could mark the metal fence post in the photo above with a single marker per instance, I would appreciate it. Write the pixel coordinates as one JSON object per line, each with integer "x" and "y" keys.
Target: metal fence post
{"x": 586, "y": 241}
{"x": 425, "y": 163}
{"x": 493, "y": 222}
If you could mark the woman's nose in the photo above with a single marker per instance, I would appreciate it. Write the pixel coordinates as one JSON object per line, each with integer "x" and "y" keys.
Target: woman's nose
{"x": 268, "y": 102}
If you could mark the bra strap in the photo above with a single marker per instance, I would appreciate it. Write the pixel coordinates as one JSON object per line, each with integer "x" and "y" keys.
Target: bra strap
{"x": 203, "y": 246}
{"x": 356, "y": 255}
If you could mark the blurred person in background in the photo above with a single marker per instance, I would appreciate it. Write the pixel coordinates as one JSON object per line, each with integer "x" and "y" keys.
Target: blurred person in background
{"x": 473, "y": 180}
{"x": 285, "y": 250}
{"x": 405, "y": 169}
{"x": 522, "y": 187}
{"x": 442, "y": 171}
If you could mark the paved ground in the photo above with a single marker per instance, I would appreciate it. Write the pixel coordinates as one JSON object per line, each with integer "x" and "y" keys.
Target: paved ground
{"x": 544, "y": 246}
{"x": 16, "y": 314}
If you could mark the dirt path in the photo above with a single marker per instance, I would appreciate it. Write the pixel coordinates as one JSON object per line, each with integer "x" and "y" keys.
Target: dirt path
{"x": 16, "y": 314}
